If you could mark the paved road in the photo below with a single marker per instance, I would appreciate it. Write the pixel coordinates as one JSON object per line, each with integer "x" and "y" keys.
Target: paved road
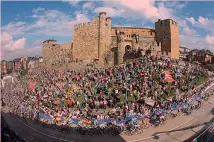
{"x": 179, "y": 128}
{"x": 36, "y": 133}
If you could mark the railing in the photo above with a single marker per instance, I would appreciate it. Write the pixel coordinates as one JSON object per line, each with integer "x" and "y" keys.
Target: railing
{"x": 207, "y": 135}
{"x": 119, "y": 121}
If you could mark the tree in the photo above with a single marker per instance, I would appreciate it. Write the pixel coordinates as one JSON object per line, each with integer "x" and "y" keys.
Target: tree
{"x": 148, "y": 52}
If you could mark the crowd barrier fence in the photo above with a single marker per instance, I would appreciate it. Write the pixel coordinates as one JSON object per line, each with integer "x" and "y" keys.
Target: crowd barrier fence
{"x": 137, "y": 118}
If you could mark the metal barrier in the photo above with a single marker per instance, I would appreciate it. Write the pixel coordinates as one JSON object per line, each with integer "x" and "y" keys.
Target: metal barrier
{"x": 207, "y": 135}
{"x": 118, "y": 121}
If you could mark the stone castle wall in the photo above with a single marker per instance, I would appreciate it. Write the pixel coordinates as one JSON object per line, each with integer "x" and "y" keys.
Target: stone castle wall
{"x": 142, "y": 32}
{"x": 175, "y": 40}
{"x": 66, "y": 50}
{"x": 85, "y": 40}
{"x": 54, "y": 53}
{"x": 94, "y": 39}
{"x": 104, "y": 36}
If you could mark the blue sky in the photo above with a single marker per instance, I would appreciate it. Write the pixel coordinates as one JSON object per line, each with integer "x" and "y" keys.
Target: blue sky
{"x": 24, "y": 25}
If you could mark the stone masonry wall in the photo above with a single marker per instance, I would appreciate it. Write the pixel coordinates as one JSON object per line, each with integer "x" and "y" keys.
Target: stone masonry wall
{"x": 85, "y": 40}
{"x": 55, "y": 53}
{"x": 175, "y": 41}
{"x": 104, "y": 36}
{"x": 167, "y": 32}
{"x": 163, "y": 34}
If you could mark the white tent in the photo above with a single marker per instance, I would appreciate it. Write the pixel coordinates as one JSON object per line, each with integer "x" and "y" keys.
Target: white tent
{"x": 149, "y": 101}
{"x": 6, "y": 78}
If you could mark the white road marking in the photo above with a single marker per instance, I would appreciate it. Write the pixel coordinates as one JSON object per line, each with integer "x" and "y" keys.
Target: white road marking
{"x": 170, "y": 129}
{"x": 44, "y": 133}
{"x": 162, "y": 133}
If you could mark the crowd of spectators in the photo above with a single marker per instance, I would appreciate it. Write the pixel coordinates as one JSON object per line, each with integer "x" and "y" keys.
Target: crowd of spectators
{"x": 115, "y": 92}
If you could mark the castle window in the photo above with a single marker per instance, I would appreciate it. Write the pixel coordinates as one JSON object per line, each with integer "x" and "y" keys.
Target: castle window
{"x": 151, "y": 33}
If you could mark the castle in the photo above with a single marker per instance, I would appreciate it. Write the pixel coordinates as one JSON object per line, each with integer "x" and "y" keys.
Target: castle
{"x": 99, "y": 40}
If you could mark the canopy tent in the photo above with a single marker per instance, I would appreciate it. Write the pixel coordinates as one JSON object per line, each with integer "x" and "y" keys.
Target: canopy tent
{"x": 5, "y": 79}
{"x": 9, "y": 77}
{"x": 149, "y": 101}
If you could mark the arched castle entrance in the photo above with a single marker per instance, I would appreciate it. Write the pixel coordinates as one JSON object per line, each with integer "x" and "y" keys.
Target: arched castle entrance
{"x": 127, "y": 55}
{"x": 128, "y": 48}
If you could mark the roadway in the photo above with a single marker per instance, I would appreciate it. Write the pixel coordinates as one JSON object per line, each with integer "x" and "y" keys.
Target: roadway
{"x": 179, "y": 128}
{"x": 32, "y": 132}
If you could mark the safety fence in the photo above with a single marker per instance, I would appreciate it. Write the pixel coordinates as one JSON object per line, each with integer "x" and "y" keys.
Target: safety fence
{"x": 207, "y": 135}
{"x": 119, "y": 121}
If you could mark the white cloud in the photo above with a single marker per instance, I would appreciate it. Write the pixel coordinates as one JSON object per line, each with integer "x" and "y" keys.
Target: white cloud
{"x": 49, "y": 22}
{"x": 191, "y": 39}
{"x": 39, "y": 9}
{"x": 58, "y": 24}
{"x": 137, "y": 8}
{"x": 206, "y": 23}
{"x": 35, "y": 51}
{"x": 191, "y": 20}
{"x": 110, "y": 11}
{"x": 8, "y": 44}
{"x": 203, "y": 22}
{"x": 144, "y": 9}
{"x": 72, "y": 2}
{"x": 15, "y": 28}
{"x": 210, "y": 40}
{"x": 11, "y": 49}
{"x": 175, "y": 4}
{"x": 188, "y": 31}
{"x": 88, "y": 5}
{"x": 37, "y": 42}
{"x": 198, "y": 42}
{"x": 164, "y": 12}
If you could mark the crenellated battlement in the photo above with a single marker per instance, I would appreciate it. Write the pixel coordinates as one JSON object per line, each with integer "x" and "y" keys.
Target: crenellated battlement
{"x": 166, "y": 22}
{"x": 77, "y": 26}
{"x": 87, "y": 24}
{"x": 128, "y": 37}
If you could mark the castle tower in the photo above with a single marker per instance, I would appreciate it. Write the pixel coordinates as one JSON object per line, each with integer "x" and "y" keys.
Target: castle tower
{"x": 109, "y": 22}
{"x": 121, "y": 48}
{"x": 47, "y": 50}
{"x": 104, "y": 35}
{"x": 167, "y": 33}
